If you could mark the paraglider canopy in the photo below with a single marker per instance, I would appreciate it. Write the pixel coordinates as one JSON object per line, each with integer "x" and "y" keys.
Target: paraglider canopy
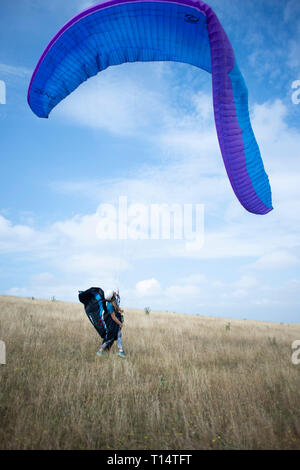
{"x": 188, "y": 31}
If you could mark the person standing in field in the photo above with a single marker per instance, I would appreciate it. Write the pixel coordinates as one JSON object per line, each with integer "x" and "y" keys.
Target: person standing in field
{"x": 119, "y": 314}
{"x": 114, "y": 324}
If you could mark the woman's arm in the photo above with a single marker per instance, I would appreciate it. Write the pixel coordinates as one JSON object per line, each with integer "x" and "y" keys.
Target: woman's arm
{"x": 113, "y": 316}
{"x": 116, "y": 307}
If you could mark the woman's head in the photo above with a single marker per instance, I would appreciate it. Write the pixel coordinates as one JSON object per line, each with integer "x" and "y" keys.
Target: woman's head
{"x": 109, "y": 295}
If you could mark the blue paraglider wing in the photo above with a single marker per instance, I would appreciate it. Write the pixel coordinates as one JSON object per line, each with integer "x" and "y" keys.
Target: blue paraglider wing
{"x": 188, "y": 31}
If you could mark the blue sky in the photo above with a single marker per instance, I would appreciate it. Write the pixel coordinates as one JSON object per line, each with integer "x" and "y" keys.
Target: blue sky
{"x": 147, "y": 131}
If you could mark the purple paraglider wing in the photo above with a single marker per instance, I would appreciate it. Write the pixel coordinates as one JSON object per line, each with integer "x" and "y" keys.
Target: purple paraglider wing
{"x": 188, "y": 31}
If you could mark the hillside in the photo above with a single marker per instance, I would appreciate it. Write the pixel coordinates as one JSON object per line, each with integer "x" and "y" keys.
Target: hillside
{"x": 188, "y": 382}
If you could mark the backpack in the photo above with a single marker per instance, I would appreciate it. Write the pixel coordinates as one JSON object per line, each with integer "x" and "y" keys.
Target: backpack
{"x": 95, "y": 307}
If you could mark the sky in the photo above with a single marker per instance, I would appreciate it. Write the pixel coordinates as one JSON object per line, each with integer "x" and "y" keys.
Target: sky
{"x": 146, "y": 131}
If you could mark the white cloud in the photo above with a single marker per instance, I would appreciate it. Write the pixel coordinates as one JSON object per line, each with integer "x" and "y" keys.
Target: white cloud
{"x": 121, "y": 106}
{"x": 90, "y": 263}
{"x": 194, "y": 279}
{"x": 18, "y": 238}
{"x": 278, "y": 142}
{"x": 85, "y": 5}
{"x": 79, "y": 231}
{"x": 185, "y": 292}
{"x": 238, "y": 294}
{"x": 21, "y": 72}
{"x": 246, "y": 282}
{"x": 148, "y": 288}
{"x": 276, "y": 260}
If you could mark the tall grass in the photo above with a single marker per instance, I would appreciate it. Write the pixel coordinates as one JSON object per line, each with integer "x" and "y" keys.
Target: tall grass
{"x": 188, "y": 382}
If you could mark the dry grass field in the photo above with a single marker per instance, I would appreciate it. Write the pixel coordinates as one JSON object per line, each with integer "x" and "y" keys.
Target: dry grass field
{"x": 188, "y": 382}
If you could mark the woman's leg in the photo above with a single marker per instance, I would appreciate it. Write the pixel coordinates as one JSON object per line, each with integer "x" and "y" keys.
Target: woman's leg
{"x": 119, "y": 340}
{"x": 107, "y": 344}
